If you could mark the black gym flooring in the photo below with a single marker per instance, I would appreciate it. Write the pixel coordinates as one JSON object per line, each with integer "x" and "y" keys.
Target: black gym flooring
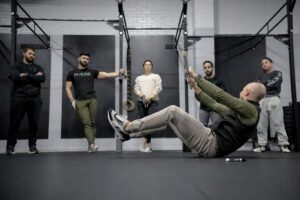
{"x": 161, "y": 175}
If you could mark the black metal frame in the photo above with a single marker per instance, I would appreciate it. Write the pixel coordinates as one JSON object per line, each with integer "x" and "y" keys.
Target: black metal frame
{"x": 253, "y": 37}
{"x": 290, "y": 8}
{"x": 14, "y": 29}
{"x": 182, "y": 25}
{"x": 152, "y": 28}
{"x": 14, "y": 14}
{"x": 184, "y": 54}
{"x": 5, "y": 26}
{"x": 122, "y": 24}
{"x": 65, "y": 20}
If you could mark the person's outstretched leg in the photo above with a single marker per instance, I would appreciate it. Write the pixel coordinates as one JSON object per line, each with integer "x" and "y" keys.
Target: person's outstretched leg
{"x": 197, "y": 137}
{"x": 193, "y": 133}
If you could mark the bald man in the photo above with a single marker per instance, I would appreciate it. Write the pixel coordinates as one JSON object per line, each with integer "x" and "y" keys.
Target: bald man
{"x": 239, "y": 118}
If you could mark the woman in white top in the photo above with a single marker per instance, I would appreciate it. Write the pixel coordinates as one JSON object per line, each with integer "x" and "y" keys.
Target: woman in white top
{"x": 147, "y": 87}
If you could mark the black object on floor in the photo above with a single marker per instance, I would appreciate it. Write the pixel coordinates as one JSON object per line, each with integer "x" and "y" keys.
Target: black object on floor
{"x": 162, "y": 175}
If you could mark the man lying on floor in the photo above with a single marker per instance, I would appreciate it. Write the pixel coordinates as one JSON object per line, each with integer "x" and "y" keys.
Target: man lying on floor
{"x": 239, "y": 119}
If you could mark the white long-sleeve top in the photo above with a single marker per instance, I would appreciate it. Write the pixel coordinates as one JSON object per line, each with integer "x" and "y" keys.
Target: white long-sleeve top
{"x": 148, "y": 85}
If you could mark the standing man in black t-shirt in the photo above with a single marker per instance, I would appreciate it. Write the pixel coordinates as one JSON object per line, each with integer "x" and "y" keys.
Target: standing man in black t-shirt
{"x": 271, "y": 109}
{"x": 206, "y": 113}
{"x": 27, "y": 78}
{"x": 81, "y": 80}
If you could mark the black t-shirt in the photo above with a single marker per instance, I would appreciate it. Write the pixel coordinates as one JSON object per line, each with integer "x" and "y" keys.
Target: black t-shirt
{"x": 30, "y": 85}
{"x": 83, "y": 82}
{"x": 272, "y": 81}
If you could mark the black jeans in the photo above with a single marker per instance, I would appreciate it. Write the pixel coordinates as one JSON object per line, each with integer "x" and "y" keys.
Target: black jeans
{"x": 143, "y": 112}
{"x": 20, "y": 106}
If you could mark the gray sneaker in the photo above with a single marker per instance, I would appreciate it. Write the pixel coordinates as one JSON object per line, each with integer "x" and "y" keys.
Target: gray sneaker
{"x": 259, "y": 149}
{"x": 117, "y": 122}
{"x": 284, "y": 149}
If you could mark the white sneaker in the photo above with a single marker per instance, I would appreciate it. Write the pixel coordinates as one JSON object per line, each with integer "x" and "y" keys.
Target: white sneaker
{"x": 92, "y": 148}
{"x": 259, "y": 149}
{"x": 148, "y": 148}
{"x": 142, "y": 144}
{"x": 284, "y": 149}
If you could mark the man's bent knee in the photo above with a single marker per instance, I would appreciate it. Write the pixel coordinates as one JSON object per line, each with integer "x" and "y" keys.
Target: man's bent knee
{"x": 173, "y": 108}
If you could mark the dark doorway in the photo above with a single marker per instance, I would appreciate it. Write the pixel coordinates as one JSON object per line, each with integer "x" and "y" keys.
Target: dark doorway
{"x": 235, "y": 68}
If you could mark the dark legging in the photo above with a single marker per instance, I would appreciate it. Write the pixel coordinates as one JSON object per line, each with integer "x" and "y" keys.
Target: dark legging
{"x": 145, "y": 111}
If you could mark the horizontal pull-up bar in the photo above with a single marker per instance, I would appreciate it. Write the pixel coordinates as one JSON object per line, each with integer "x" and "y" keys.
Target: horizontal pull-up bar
{"x": 5, "y": 26}
{"x": 198, "y": 37}
{"x": 267, "y": 34}
{"x": 67, "y": 20}
{"x": 267, "y": 23}
{"x": 153, "y": 28}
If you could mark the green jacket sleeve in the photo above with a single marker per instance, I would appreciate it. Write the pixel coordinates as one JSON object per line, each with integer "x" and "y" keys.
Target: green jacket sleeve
{"x": 211, "y": 103}
{"x": 246, "y": 111}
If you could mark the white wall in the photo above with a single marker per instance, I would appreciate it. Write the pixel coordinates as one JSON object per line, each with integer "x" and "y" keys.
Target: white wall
{"x": 205, "y": 17}
{"x": 247, "y": 17}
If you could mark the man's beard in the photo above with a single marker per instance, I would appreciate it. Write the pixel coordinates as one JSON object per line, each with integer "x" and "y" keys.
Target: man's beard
{"x": 208, "y": 73}
{"x": 29, "y": 60}
{"x": 266, "y": 70}
{"x": 83, "y": 64}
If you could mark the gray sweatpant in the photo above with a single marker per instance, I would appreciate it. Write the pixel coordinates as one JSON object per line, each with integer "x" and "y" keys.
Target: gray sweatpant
{"x": 200, "y": 139}
{"x": 271, "y": 110}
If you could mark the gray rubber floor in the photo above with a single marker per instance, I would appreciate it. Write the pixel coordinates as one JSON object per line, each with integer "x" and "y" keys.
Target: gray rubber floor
{"x": 162, "y": 175}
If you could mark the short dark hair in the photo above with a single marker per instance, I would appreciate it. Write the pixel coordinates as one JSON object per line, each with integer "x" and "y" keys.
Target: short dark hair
{"x": 28, "y": 48}
{"x": 84, "y": 53}
{"x": 267, "y": 58}
{"x": 208, "y": 61}
{"x": 147, "y": 60}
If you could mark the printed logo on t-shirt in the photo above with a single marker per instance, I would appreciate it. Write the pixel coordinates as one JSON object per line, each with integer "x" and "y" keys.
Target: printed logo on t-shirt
{"x": 84, "y": 74}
